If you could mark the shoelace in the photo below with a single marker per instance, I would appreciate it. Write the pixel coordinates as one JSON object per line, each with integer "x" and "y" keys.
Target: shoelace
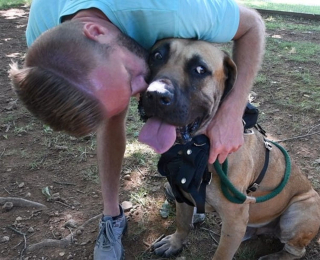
{"x": 107, "y": 233}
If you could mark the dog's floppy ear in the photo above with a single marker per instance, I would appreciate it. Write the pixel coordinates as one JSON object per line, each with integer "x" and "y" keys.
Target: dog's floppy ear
{"x": 230, "y": 70}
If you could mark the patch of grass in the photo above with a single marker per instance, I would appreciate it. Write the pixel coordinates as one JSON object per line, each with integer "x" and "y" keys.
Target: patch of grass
{"x": 281, "y": 23}
{"x": 246, "y": 253}
{"x": 287, "y": 6}
{"x": 47, "y": 129}
{"x": 23, "y": 129}
{"x": 292, "y": 51}
{"x": 134, "y": 123}
{"x": 91, "y": 173}
{"x": 9, "y": 118}
{"x": 5, "y": 4}
{"x": 38, "y": 162}
{"x": 139, "y": 196}
{"x": 261, "y": 79}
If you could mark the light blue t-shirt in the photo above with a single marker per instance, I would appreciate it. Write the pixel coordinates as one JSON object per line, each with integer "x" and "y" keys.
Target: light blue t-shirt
{"x": 146, "y": 21}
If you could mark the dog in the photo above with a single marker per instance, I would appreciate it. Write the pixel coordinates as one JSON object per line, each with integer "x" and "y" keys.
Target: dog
{"x": 189, "y": 79}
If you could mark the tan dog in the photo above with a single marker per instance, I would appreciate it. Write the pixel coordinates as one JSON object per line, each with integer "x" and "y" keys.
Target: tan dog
{"x": 189, "y": 79}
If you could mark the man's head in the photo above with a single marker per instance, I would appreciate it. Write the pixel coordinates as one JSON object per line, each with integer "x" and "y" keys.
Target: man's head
{"x": 67, "y": 79}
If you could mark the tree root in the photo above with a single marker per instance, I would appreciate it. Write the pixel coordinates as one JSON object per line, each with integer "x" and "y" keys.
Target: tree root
{"x": 20, "y": 202}
{"x": 62, "y": 243}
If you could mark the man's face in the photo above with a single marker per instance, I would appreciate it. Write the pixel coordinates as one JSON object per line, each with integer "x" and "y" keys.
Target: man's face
{"x": 121, "y": 75}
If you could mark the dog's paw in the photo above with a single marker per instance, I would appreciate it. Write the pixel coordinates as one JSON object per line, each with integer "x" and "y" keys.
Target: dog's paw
{"x": 168, "y": 246}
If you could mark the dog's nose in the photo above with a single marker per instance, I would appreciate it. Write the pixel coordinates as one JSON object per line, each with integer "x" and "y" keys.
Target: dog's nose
{"x": 158, "y": 93}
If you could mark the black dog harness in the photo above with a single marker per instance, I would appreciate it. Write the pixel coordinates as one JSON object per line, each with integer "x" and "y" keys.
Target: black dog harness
{"x": 186, "y": 168}
{"x": 186, "y": 165}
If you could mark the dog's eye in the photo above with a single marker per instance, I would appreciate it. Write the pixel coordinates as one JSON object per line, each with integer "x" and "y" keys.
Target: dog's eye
{"x": 157, "y": 56}
{"x": 200, "y": 70}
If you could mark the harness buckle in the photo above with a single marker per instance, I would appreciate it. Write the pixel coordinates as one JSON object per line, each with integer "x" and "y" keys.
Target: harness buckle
{"x": 253, "y": 187}
{"x": 268, "y": 145}
{"x": 248, "y": 131}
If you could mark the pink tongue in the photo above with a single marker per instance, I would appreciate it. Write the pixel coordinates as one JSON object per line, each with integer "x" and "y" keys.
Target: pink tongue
{"x": 158, "y": 135}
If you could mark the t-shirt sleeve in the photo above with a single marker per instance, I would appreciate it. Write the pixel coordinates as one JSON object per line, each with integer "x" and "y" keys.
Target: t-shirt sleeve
{"x": 211, "y": 20}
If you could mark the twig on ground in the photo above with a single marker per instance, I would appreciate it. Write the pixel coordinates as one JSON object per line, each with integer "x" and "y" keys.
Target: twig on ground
{"x": 4, "y": 149}
{"x": 313, "y": 127}
{"x": 6, "y": 190}
{"x": 297, "y": 137}
{"x": 64, "y": 204}
{"x": 71, "y": 234}
{"x": 150, "y": 246}
{"x": 63, "y": 243}
{"x": 211, "y": 232}
{"x": 20, "y": 202}
{"x": 146, "y": 244}
{"x": 64, "y": 183}
{"x": 24, "y": 238}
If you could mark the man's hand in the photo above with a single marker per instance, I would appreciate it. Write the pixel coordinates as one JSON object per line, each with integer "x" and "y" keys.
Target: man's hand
{"x": 226, "y": 135}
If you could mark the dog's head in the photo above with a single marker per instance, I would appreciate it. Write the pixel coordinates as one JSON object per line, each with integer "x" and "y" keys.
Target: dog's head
{"x": 188, "y": 81}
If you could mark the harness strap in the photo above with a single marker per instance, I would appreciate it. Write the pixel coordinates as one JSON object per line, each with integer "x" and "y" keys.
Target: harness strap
{"x": 254, "y": 186}
{"x": 199, "y": 196}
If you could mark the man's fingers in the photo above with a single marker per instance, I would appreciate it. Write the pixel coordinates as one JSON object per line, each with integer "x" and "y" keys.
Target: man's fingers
{"x": 222, "y": 157}
{"x": 212, "y": 157}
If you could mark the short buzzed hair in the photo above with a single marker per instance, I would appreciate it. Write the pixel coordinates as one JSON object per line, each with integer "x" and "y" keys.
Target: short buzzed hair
{"x": 53, "y": 83}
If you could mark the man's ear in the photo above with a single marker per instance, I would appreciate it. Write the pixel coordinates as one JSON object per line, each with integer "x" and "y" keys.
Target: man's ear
{"x": 93, "y": 31}
{"x": 230, "y": 70}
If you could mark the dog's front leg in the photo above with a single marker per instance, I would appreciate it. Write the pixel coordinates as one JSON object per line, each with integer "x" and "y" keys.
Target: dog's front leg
{"x": 172, "y": 244}
{"x": 234, "y": 222}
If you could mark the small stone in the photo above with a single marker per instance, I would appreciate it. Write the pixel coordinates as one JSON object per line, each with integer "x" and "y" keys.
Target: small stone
{"x": 126, "y": 206}
{"x": 7, "y": 206}
{"x": 56, "y": 196}
{"x": 30, "y": 230}
{"x": 62, "y": 253}
{"x": 4, "y": 239}
{"x": 28, "y": 195}
{"x": 71, "y": 223}
{"x": 78, "y": 232}
{"x": 18, "y": 218}
{"x": 21, "y": 185}
{"x": 70, "y": 257}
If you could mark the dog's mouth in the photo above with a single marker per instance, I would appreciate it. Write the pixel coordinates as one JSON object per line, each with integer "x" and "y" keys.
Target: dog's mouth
{"x": 185, "y": 133}
{"x": 161, "y": 135}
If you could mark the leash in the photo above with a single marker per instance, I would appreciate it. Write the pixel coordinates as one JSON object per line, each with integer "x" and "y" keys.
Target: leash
{"x": 235, "y": 196}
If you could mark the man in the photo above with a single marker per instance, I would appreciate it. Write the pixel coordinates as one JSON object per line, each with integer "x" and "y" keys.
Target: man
{"x": 79, "y": 76}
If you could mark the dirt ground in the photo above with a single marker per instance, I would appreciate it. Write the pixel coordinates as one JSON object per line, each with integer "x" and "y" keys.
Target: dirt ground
{"x": 33, "y": 158}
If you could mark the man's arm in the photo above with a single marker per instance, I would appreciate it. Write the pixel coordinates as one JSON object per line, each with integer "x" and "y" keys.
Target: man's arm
{"x": 111, "y": 143}
{"x": 226, "y": 129}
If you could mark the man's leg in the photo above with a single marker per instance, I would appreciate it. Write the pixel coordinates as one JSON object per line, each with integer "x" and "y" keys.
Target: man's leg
{"x": 111, "y": 142}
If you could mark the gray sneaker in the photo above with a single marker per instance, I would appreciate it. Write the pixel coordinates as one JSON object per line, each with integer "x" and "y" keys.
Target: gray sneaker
{"x": 108, "y": 245}
{"x": 197, "y": 217}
